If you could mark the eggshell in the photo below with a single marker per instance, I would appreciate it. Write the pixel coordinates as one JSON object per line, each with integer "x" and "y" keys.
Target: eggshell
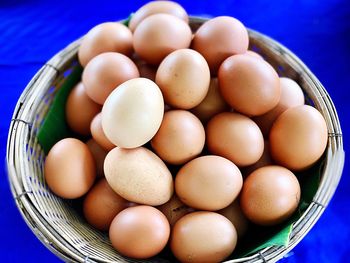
{"x": 270, "y": 195}
{"x": 208, "y": 183}
{"x": 180, "y": 138}
{"x": 184, "y": 77}
{"x": 157, "y": 7}
{"x": 98, "y": 133}
{"x": 264, "y": 160}
{"x": 249, "y": 85}
{"x": 160, "y": 34}
{"x": 174, "y": 209}
{"x": 203, "y": 237}
{"x": 69, "y": 168}
{"x": 234, "y": 213}
{"x": 139, "y": 232}
{"x": 291, "y": 96}
{"x": 235, "y": 137}
{"x": 219, "y": 38}
{"x": 139, "y": 176}
{"x": 133, "y": 112}
{"x": 102, "y": 204}
{"x": 99, "y": 155}
{"x": 105, "y": 72}
{"x": 212, "y": 104}
{"x": 254, "y": 54}
{"x": 105, "y": 37}
{"x": 298, "y": 137}
{"x": 78, "y": 120}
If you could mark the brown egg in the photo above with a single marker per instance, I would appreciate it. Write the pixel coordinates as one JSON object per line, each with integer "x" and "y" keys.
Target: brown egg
{"x": 298, "y": 137}
{"x": 203, "y": 237}
{"x": 291, "y": 96}
{"x": 254, "y": 54}
{"x": 264, "y": 160}
{"x": 219, "y": 38}
{"x": 234, "y": 213}
{"x": 139, "y": 232}
{"x": 160, "y": 34}
{"x": 180, "y": 138}
{"x": 208, "y": 183}
{"x": 99, "y": 155}
{"x": 270, "y": 195}
{"x": 235, "y": 137}
{"x": 157, "y": 7}
{"x": 132, "y": 113}
{"x": 248, "y": 84}
{"x": 184, "y": 77}
{"x": 212, "y": 104}
{"x": 146, "y": 70}
{"x": 105, "y": 72}
{"x": 174, "y": 209}
{"x": 102, "y": 204}
{"x": 139, "y": 176}
{"x": 69, "y": 168}
{"x": 105, "y": 37}
{"x": 78, "y": 120}
{"x": 98, "y": 133}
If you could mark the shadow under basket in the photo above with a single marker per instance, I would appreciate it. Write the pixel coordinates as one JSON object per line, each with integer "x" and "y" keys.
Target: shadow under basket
{"x": 62, "y": 228}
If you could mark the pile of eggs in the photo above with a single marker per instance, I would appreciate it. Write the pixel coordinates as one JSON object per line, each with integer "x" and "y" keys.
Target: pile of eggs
{"x": 192, "y": 136}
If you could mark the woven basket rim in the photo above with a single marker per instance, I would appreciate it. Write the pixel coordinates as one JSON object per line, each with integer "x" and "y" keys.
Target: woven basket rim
{"x": 330, "y": 179}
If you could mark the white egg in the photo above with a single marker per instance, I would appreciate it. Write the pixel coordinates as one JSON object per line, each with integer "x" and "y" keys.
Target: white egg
{"x": 133, "y": 112}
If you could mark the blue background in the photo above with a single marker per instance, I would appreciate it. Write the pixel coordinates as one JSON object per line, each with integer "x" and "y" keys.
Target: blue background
{"x": 32, "y": 31}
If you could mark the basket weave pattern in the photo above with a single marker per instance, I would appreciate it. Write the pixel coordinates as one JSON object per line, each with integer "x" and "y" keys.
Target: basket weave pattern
{"x": 66, "y": 233}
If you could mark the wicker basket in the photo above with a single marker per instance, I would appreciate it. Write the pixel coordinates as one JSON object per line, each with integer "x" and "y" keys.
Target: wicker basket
{"x": 62, "y": 228}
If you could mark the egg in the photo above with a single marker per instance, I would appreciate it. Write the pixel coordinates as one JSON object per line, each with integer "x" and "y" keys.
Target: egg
{"x": 219, "y": 38}
{"x": 105, "y": 72}
{"x": 254, "y": 54}
{"x": 203, "y": 237}
{"x": 105, "y": 37}
{"x": 132, "y": 113}
{"x": 212, "y": 104}
{"x": 234, "y": 213}
{"x": 98, "y": 133}
{"x": 298, "y": 137}
{"x": 156, "y": 7}
{"x": 184, "y": 77}
{"x": 102, "y": 204}
{"x": 99, "y": 155}
{"x": 160, "y": 34}
{"x": 69, "y": 168}
{"x": 208, "y": 183}
{"x": 139, "y": 232}
{"x": 78, "y": 120}
{"x": 264, "y": 160}
{"x": 235, "y": 137}
{"x": 270, "y": 195}
{"x": 249, "y": 85}
{"x": 291, "y": 96}
{"x": 180, "y": 138}
{"x": 139, "y": 176}
{"x": 174, "y": 209}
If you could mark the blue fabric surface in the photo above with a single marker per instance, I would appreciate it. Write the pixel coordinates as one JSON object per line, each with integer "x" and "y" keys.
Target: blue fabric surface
{"x": 32, "y": 31}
